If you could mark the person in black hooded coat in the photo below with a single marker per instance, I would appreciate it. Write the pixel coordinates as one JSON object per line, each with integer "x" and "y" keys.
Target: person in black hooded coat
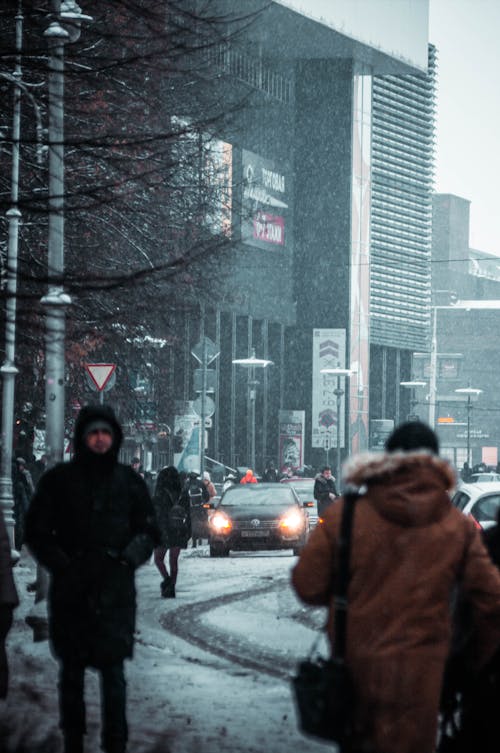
{"x": 168, "y": 495}
{"x": 91, "y": 523}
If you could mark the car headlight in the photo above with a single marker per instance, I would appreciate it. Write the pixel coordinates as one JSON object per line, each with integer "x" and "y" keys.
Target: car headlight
{"x": 220, "y": 523}
{"x": 292, "y": 522}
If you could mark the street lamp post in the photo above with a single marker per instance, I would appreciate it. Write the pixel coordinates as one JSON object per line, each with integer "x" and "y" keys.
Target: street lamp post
{"x": 412, "y": 385}
{"x": 64, "y": 28}
{"x": 460, "y": 305}
{"x": 252, "y": 363}
{"x": 470, "y": 392}
{"x": 8, "y": 370}
{"x": 56, "y": 300}
{"x": 338, "y": 392}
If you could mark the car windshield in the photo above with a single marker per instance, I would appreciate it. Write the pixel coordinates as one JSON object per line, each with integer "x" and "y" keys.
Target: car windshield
{"x": 243, "y": 496}
{"x": 476, "y": 477}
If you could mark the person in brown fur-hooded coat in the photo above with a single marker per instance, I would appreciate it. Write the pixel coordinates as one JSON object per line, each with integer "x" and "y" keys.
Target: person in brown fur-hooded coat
{"x": 409, "y": 549}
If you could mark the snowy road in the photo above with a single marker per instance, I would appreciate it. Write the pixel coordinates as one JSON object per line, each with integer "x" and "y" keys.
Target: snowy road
{"x": 211, "y": 668}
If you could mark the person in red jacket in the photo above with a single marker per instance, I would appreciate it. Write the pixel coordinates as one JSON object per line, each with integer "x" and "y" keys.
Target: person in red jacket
{"x": 248, "y": 478}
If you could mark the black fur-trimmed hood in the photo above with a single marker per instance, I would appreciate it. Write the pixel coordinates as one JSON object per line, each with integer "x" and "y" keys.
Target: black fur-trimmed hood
{"x": 89, "y": 414}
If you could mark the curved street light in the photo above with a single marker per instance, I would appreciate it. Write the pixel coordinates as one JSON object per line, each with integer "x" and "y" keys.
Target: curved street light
{"x": 64, "y": 27}
{"x": 412, "y": 385}
{"x": 252, "y": 363}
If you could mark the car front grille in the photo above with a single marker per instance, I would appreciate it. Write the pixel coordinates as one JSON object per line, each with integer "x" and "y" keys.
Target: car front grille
{"x": 264, "y": 525}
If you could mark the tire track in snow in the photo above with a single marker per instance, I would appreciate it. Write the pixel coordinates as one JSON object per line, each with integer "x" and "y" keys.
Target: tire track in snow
{"x": 186, "y": 622}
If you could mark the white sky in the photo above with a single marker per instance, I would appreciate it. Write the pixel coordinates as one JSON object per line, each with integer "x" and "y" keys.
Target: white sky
{"x": 465, "y": 33}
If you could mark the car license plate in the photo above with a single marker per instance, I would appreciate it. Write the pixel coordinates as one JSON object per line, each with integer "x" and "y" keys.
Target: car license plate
{"x": 254, "y": 534}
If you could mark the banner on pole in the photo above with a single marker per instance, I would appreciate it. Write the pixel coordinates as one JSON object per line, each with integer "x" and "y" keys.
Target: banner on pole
{"x": 291, "y": 439}
{"x": 329, "y": 348}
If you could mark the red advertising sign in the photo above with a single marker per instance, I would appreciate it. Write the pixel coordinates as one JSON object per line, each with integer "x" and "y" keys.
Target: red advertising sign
{"x": 266, "y": 190}
{"x": 269, "y": 228}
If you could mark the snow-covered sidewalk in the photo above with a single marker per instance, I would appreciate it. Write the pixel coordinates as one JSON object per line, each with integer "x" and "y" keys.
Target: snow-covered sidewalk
{"x": 180, "y": 697}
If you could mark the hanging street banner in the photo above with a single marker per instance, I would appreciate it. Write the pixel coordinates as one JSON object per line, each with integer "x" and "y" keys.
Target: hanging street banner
{"x": 291, "y": 439}
{"x": 329, "y": 346}
{"x": 100, "y": 375}
{"x": 186, "y": 437}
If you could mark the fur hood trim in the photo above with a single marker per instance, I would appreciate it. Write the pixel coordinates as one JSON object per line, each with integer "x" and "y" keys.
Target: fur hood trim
{"x": 369, "y": 467}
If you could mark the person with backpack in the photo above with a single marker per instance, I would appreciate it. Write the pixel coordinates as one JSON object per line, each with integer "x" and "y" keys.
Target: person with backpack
{"x": 174, "y": 521}
{"x": 195, "y": 495}
{"x": 270, "y": 474}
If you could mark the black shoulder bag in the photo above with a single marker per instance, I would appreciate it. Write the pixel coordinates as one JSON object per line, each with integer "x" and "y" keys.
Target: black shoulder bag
{"x": 322, "y": 687}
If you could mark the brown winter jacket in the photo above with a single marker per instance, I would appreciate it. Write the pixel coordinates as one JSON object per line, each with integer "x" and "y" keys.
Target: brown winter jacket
{"x": 409, "y": 548}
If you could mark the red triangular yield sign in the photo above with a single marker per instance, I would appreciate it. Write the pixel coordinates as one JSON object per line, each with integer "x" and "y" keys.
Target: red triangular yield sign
{"x": 100, "y": 373}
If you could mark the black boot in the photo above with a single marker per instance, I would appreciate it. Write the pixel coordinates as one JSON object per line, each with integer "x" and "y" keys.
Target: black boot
{"x": 115, "y": 746}
{"x": 168, "y": 588}
{"x": 73, "y": 742}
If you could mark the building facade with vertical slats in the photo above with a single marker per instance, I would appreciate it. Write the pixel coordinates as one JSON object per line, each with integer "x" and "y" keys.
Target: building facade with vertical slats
{"x": 401, "y": 224}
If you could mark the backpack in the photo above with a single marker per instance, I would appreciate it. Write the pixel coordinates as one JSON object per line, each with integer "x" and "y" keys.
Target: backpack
{"x": 178, "y": 523}
{"x": 195, "y": 493}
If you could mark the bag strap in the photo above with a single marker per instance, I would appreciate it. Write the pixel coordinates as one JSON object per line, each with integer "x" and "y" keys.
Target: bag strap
{"x": 342, "y": 580}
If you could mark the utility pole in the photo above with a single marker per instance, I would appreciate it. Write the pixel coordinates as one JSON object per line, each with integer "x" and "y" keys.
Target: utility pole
{"x": 56, "y": 300}
{"x": 469, "y": 392}
{"x": 205, "y": 351}
{"x": 339, "y": 392}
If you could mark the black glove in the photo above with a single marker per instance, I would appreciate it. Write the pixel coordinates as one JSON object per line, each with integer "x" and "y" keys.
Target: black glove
{"x": 6, "y": 611}
{"x": 116, "y": 554}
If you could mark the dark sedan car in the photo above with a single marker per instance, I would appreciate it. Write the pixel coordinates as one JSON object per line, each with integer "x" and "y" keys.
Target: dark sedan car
{"x": 258, "y": 516}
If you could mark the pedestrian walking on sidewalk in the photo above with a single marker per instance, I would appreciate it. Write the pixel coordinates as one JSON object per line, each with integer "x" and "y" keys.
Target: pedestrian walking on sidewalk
{"x": 22, "y": 489}
{"x": 410, "y": 548}
{"x": 208, "y": 483}
{"x": 174, "y": 521}
{"x": 325, "y": 491}
{"x": 8, "y": 602}
{"x": 91, "y": 523}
